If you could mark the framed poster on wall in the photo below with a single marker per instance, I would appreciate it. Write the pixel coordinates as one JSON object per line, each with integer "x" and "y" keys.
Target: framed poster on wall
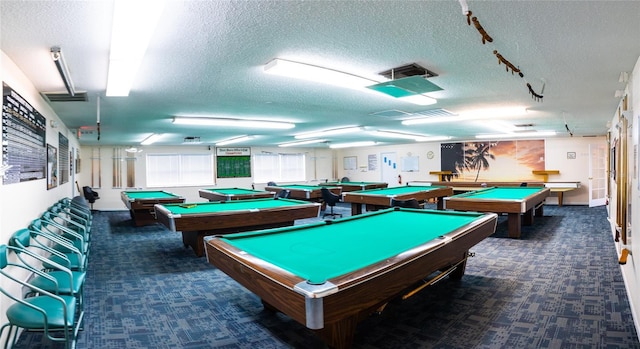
{"x": 52, "y": 167}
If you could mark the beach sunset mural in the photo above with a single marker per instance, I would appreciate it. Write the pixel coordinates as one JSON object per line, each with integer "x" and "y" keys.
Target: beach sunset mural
{"x": 493, "y": 160}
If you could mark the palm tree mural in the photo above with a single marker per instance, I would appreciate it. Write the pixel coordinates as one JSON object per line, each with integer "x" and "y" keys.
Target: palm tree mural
{"x": 476, "y": 157}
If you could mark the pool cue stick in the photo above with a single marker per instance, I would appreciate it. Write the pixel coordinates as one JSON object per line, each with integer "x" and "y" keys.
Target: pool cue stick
{"x": 434, "y": 280}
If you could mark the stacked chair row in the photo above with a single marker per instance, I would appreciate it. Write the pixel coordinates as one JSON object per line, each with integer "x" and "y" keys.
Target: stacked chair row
{"x": 53, "y": 251}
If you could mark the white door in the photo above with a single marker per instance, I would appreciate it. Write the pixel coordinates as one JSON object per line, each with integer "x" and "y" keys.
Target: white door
{"x": 390, "y": 170}
{"x": 597, "y": 174}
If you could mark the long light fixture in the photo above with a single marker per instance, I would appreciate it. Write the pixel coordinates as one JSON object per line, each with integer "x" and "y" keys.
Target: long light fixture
{"x": 415, "y": 137}
{"x": 234, "y": 140}
{"x": 330, "y": 132}
{"x": 154, "y": 137}
{"x": 309, "y": 72}
{"x": 517, "y": 135}
{"x": 61, "y": 64}
{"x": 294, "y": 144}
{"x": 134, "y": 22}
{"x": 419, "y": 99}
{"x": 479, "y": 114}
{"x": 208, "y": 121}
{"x": 352, "y": 144}
{"x": 315, "y": 73}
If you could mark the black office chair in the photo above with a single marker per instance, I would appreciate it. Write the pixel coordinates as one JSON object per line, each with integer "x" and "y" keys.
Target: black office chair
{"x": 90, "y": 195}
{"x": 271, "y": 184}
{"x": 331, "y": 200}
{"x": 283, "y": 194}
{"x": 345, "y": 179}
{"x": 409, "y": 203}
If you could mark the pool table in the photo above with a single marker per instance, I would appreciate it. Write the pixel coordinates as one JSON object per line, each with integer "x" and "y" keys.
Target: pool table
{"x": 302, "y": 191}
{"x": 141, "y": 204}
{"x": 375, "y": 199}
{"x": 520, "y": 203}
{"x": 330, "y": 275}
{"x": 197, "y": 220}
{"x": 353, "y": 186}
{"x": 227, "y": 194}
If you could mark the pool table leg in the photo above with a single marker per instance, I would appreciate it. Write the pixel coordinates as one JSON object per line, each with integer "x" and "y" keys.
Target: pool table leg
{"x": 513, "y": 225}
{"x": 195, "y": 240}
{"x": 340, "y": 334}
{"x": 356, "y": 209}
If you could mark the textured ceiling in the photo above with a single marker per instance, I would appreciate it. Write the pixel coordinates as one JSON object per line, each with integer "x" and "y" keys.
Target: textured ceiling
{"x": 207, "y": 58}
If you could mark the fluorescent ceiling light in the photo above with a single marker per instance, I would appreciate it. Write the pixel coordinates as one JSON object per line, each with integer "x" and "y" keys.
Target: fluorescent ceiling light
{"x": 415, "y": 137}
{"x": 324, "y": 75}
{"x": 419, "y": 99}
{"x": 352, "y": 145}
{"x": 310, "y": 141}
{"x": 151, "y": 139}
{"x": 58, "y": 59}
{"x": 517, "y": 135}
{"x": 494, "y": 112}
{"x": 205, "y": 121}
{"x": 133, "y": 25}
{"x": 234, "y": 140}
{"x": 133, "y": 150}
{"x": 315, "y": 73}
{"x": 331, "y": 132}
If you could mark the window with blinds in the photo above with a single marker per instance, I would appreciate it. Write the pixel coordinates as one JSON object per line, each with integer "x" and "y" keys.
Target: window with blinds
{"x": 279, "y": 167}
{"x": 177, "y": 170}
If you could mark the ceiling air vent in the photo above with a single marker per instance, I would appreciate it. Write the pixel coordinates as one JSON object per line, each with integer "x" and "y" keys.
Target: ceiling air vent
{"x": 390, "y": 114}
{"x": 404, "y": 71}
{"x": 433, "y": 113}
{"x": 191, "y": 140}
{"x": 65, "y": 97}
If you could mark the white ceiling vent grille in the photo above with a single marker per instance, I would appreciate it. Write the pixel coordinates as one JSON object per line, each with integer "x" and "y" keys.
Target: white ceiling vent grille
{"x": 390, "y": 114}
{"x": 65, "y": 97}
{"x": 433, "y": 113}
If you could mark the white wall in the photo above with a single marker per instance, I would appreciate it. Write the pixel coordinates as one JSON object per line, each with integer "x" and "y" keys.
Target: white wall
{"x": 20, "y": 203}
{"x": 556, "y": 149}
{"x": 630, "y": 270}
{"x": 318, "y": 168}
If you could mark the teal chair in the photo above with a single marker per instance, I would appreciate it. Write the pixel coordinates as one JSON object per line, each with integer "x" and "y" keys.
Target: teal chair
{"x": 47, "y": 312}
{"x": 71, "y": 253}
{"x": 46, "y": 273}
{"x": 54, "y": 225}
{"x": 71, "y": 221}
{"x": 75, "y": 211}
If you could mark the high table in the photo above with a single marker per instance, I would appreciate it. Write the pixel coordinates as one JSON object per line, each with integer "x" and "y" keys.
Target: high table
{"x": 375, "y": 199}
{"x": 195, "y": 221}
{"x": 141, "y": 204}
{"x": 227, "y": 194}
{"x": 517, "y": 202}
{"x": 330, "y": 275}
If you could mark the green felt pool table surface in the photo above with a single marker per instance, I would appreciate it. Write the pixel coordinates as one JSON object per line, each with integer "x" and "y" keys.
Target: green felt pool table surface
{"x": 324, "y": 251}
{"x": 375, "y": 199}
{"x": 224, "y": 194}
{"x": 330, "y": 275}
{"x": 197, "y": 220}
{"x": 501, "y": 193}
{"x": 149, "y": 195}
{"x": 520, "y": 203}
{"x": 236, "y": 205}
{"x": 141, "y": 204}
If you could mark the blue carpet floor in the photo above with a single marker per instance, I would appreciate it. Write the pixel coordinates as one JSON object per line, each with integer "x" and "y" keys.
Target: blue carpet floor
{"x": 558, "y": 286}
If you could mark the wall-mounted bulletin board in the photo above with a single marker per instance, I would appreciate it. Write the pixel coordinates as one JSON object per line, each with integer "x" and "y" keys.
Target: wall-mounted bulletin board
{"x": 64, "y": 158}
{"x": 410, "y": 164}
{"x": 350, "y": 163}
{"x": 23, "y": 134}
{"x": 233, "y": 162}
